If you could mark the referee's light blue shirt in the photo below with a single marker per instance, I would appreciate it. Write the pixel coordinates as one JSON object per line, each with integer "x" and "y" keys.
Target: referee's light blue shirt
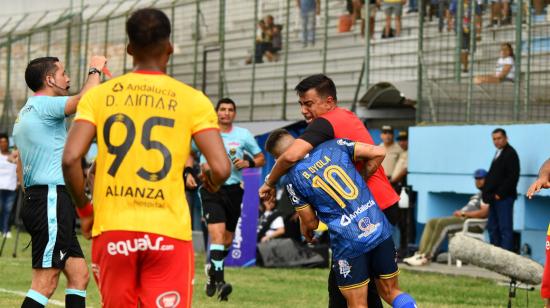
{"x": 40, "y": 133}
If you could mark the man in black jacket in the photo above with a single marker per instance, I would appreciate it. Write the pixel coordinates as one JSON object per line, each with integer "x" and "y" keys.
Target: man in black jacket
{"x": 500, "y": 191}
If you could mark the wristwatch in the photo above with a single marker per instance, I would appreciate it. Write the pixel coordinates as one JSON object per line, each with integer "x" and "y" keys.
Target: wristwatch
{"x": 94, "y": 70}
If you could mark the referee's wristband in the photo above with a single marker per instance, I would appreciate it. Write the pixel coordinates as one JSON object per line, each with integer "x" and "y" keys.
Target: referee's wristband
{"x": 187, "y": 171}
{"x": 251, "y": 163}
{"x": 85, "y": 211}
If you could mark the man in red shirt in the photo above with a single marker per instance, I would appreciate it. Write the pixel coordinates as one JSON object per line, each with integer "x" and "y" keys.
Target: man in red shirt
{"x": 543, "y": 182}
{"x": 328, "y": 121}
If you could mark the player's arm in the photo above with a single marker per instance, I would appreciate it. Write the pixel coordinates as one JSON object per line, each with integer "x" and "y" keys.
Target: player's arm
{"x": 319, "y": 131}
{"x": 291, "y": 156}
{"x": 543, "y": 180}
{"x": 211, "y": 146}
{"x": 78, "y": 142}
{"x": 19, "y": 171}
{"x": 372, "y": 154}
{"x": 249, "y": 162}
{"x": 308, "y": 222}
{"x": 97, "y": 62}
{"x": 188, "y": 174}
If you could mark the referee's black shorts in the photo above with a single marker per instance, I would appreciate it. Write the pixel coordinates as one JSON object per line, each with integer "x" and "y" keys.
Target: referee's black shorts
{"x": 49, "y": 216}
{"x": 223, "y": 205}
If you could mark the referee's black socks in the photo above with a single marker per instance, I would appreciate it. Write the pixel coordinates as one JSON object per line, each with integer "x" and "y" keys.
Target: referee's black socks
{"x": 217, "y": 254}
{"x": 34, "y": 300}
{"x": 75, "y": 298}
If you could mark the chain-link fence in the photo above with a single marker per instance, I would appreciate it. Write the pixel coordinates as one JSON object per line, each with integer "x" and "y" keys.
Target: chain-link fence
{"x": 481, "y": 68}
{"x": 216, "y": 42}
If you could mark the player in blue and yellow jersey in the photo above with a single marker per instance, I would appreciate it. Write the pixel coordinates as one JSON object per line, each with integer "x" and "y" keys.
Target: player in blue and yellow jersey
{"x": 222, "y": 209}
{"x": 326, "y": 186}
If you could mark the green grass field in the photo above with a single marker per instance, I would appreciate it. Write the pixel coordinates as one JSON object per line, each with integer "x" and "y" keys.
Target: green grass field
{"x": 259, "y": 287}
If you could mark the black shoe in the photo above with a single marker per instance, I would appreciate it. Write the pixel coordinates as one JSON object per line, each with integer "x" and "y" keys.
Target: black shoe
{"x": 210, "y": 283}
{"x": 224, "y": 289}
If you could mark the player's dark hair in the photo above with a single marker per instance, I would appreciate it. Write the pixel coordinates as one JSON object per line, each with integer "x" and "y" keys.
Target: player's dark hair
{"x": 148, "y": 27}
{"x": 321, "y": 83}
{"x": 500, "y": 130}
{"x": 4, "y": 136}
{"x": 226, "y": 100}
{"x": 37, "y": 70}
{"x": 273, "y": 139}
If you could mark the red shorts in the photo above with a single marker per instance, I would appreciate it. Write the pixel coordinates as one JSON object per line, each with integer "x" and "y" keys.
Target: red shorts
{"x": 145, "y": 268}
{"x": 545, "y": 288}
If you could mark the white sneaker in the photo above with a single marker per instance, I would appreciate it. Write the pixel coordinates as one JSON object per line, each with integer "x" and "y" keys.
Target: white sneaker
{"x": 416, "y": 260}
{"x": 413, "y": 257}
{"x": 419, "y": 261}
{"x": 7, "y": 235}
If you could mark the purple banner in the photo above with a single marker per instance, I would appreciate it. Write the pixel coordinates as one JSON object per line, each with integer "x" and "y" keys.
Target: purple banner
{"x": 243, "y": 250}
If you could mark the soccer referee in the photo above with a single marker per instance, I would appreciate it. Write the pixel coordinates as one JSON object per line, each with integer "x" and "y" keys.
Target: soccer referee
{"x": 48, "y": 213}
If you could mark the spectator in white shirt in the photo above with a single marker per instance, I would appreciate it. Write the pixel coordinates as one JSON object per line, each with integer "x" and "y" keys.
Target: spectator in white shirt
{"x": 8, "y": 184}
{"x": 505, "y": 67}
{"x": 271, "y": 224}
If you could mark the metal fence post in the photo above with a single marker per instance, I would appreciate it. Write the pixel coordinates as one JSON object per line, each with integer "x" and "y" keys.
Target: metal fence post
{"x": 529, "y": 54}
{"x": 48, "y": 40}
{"x": 419, "y": 73}
{"x": 173, "y": 15}
{"x": 253, "y": 80}
{"x": 367, "y": 48}
{"x": 459, "y": 30}
{"x": 517, "y": 60}
{"x": 7, "y": 97}
{"x": 285, "y": 68}
{"x": 325, "y": 42}
{"x": 196, "y": 46}
{"x": 471, "y": 51}
{"x": 68, "y": 47}
{"x": 221, "y": 41}
{"x": 86, "y": 45}
{"x": 29, "y": 40}
{"x": 79, "y": 52}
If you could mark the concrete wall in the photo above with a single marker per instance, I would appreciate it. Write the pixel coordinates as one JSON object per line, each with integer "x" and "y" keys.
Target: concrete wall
{"x": 442, "y": 160}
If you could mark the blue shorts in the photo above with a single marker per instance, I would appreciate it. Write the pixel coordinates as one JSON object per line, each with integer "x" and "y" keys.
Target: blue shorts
{"x": 356, "y": 272}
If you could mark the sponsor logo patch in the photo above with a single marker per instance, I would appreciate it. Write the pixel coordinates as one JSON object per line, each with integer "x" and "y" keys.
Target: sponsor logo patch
{"x": 345, "y": 268}
{"x": 168, "y": 299}
{"x": 367, "y": 227}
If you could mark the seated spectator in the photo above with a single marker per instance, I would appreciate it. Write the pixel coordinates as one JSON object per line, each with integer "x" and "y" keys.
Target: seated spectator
{"x": 271, "y": 224}
{"x": 505, "y": 67}
{"x": 272, "y": 52}
{"x": 434, "y": 231}
{"x": 390, "y": 8}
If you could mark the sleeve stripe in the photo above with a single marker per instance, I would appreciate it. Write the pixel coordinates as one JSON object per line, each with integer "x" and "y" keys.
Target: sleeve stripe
{"x": 84, "y": 120}
{"x": 205, "y": 129}
{"x": 302, "y": 207}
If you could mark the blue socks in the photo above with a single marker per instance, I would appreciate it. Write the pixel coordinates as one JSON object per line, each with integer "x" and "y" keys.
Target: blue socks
{"x": 404, "y": 300}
